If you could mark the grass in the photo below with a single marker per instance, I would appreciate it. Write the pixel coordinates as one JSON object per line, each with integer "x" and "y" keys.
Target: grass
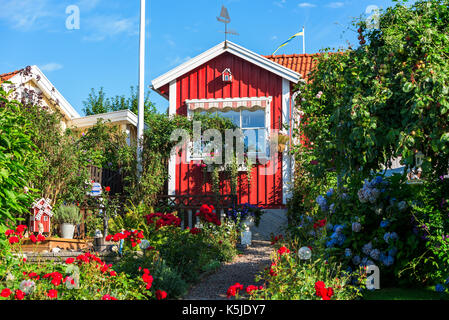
{"x": 405, "y": 294}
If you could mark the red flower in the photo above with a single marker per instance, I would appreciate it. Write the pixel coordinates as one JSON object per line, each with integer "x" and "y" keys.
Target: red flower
{"x": 13, "y": 240}
{"x": 33, "y": 275}
{"x": 5, "y": 293}
{"x": 112, "y": 273}
{"x": 40, "y": 238}
{"x": 52, "y": 294}
{"x": 33, "y": 238}
{"x": 9, "y": 232}
{"x": 283, "y": 250}
{"x": 251, "y": 288}
{"x": 322, "y": 291}
{"x": 21, "y": 228}
{"x": 319, "y": 224}
{"x": 195, "y": 231}
{"x": 234, "y": 289}
{"x": 20, "y": 295}
{"x": 108, "y": 238}
{"x": 161, "y": 294}
{"x": 107, "y": 189}
{"x": 69, "y": 260}
{"x": 108, "y": 297}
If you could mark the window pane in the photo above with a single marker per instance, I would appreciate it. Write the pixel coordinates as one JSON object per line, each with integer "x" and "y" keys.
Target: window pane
{"x": 234, "y": 116}
{"x": 253, "y": 119}
{"x": 255, "y": 140}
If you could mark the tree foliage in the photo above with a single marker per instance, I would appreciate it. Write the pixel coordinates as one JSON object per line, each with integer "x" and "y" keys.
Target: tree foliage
{"x": 385, "y": 99}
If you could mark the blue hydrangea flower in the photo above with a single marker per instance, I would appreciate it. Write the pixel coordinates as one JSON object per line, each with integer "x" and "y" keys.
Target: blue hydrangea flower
{"x": 356, "y": 227}
{"x": 393, "y": 236}
{"x": 378, "y": 180}
{"x": 440, "y": 288}
{"x": 356, "y": 260}
{"x": 348, "y": 253}
{"x": 375, "y": 254}
{"x": 388, "y": 260}
{"x": 330, "y": 192}
{"x": 366, "y": 249}
{"x": 322, "y": 202}
{"x": 384, "y": 223}
{"x": 392, "y": 252}
{"x": 332, "y": 208}
{"x": 338, "y": 228}
{"x": 331, "y": 243}
{"x": 329, "y": 226}
{"x": 387, "y": 236}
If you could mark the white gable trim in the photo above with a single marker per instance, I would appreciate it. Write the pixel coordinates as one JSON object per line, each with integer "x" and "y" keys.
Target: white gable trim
{"x": 47, "y": 89}
{"x": 219, "y": 49}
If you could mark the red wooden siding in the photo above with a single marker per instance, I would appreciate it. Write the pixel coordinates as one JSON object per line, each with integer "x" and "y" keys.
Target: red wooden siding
{"x": 249, "y": 80}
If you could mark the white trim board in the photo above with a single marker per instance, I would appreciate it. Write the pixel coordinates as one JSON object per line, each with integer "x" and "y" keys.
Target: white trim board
{"x": 226, "y": 46}
{"x": 47, "y": 88}
{"x": 173, "y": 155}
{"x": 116, "y": 116}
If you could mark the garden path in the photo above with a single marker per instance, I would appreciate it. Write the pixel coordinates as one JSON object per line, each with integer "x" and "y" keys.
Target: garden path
{"x": 242, "y": 269}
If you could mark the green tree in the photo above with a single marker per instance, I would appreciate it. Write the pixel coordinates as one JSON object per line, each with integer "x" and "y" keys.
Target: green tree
{"x": 98, "y": 102}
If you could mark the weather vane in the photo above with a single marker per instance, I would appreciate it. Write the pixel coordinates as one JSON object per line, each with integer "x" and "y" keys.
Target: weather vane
{"x": 224, "y": 17}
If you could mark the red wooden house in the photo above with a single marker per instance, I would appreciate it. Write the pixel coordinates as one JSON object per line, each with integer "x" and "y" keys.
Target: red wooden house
{"x": 41, "y": 215}
{"x": 252, "y": 90}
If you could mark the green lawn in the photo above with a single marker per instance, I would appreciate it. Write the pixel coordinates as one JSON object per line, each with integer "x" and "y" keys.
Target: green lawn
{"x": 405, "y": 294}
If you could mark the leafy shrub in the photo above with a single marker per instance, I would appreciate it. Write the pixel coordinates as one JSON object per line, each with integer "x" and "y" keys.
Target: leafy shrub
{"x": 18, "y": 162}
{"x": 67, "y": 214}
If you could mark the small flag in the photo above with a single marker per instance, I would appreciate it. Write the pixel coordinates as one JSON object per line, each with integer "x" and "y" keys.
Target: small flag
{"x": 290, "y": 39}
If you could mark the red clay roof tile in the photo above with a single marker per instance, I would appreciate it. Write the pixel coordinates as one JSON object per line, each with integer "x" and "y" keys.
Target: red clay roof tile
{"x": 7, "y": 76}
{"x": 301, "y": 63}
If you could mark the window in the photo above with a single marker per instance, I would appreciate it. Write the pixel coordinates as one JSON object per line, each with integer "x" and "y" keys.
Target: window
{"x": 45, "y": 218}
{"x": 254, "y": 127}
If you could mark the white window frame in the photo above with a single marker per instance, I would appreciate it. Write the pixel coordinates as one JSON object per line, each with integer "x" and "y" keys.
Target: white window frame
{"x": 252, "y": 155}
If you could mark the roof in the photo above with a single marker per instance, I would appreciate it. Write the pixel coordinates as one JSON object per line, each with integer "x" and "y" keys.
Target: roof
{"x": 7, "y": 76}
{"x": 115, "y": 116}
{"x": 226, "y": 46}
{"x": 33, "y": 73}
{"x": 300, "y": 63}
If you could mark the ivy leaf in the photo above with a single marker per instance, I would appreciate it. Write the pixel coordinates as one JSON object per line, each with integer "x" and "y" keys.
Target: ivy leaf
{"x": 445, "y": 137}
{"x": 407, "y": 87}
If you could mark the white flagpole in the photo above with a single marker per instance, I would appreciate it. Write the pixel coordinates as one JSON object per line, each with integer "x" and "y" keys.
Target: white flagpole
{"x": 140, "y": 116}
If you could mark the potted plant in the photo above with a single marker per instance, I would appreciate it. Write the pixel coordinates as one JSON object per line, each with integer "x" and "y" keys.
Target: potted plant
{"x": 68, "y": 217}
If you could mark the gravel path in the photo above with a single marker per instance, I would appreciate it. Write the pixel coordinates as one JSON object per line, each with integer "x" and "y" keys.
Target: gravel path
{"x": 242, "y": 269}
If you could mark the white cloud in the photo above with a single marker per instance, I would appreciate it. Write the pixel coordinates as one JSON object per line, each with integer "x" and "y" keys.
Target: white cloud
{"x": 280, "y": 3}
{"x": 306, "y": 5}
{"x": 102, "y": 27}
{"x": 335, "y": 5}
{"x": 27, "y": 14}
{"x": 274, "y": 38}
{"x": 52, "y": 66}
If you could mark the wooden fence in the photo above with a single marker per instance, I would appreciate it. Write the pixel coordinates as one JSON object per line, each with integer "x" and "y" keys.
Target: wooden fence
{"x": 109, "y": 178}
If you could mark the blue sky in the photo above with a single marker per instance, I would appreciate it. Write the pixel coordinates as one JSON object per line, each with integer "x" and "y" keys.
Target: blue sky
{"x": 104, "y": 51}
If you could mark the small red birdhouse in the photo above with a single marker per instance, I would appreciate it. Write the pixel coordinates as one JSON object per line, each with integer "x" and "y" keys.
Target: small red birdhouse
{"x": 227, "y": 75}
{"x": 42, "y": 214}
